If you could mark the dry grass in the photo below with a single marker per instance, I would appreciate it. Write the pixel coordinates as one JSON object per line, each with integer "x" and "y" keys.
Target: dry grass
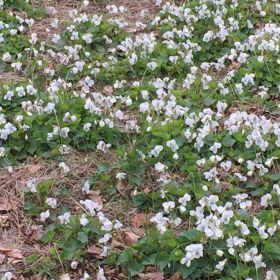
{"x": 22, "y": 232}
{"x": 45, "y": 30}
{"x": 11, "y": 77}
{"x": 17, "y": 230}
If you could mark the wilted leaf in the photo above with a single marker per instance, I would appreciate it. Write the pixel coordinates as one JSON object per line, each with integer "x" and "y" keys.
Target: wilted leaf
{"x": 120, "y": 186}
{"x": 33, "y": 168}
{"x": 12, "y": 253}
{"x": 35, "y": 232}
{"x": 138, "y": 220}
{"x": 96, "y": 197}
{"x": 5, "y": 204}
{"x": 175, "y": 276}
{"x": 39, "y": 277}
{"x": 65, "y": 277}
{"x": 116, "y": 244}
{"x": 95, "y": 251}
{"x": 234, "y": 65}
{"x": 152, "y": 276}
{"x": 108, "y": 90}
{"x": 2, "y": 258}
{"x": 130, "y": 238}
{"x": 3, "y": 219}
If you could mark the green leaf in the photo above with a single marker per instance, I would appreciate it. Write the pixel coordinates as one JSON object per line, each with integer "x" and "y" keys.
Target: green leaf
{"x": 32, "y": 259}
{"x": 208, "y": 101}
{"x": 103, "y": 167}
{"x": 139, "y": 199}
{"x": 272, "y": 248}
{"x": 82, "y": 237}
{"x": 125, "y": 256}
{"x": 135, "y": 267}
{"x": 242, "y": 270}
{"x": 192, "y": 235}
{"x": 274, "y": 177}
{"x": 31, "y": 208}
{"x": 228, "y": 141}
{"x": 149, "y": 260}
{"x": 162, "y": 260}
{"x": 45, "y": 187}
{"x": 48, "y": 236}
{"x": 69, "y": 249}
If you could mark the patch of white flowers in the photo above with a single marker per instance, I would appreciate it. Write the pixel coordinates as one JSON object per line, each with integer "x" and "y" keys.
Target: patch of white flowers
{"x": 176, "y": 98}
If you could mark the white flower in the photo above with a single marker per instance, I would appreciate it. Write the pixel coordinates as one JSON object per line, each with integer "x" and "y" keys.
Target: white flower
{"x": 55, "y": 38}
{"x": 6, "y": 57}
{"x": 152, "y": 65}
{"x": 87, "y": 38}
{"x": 96, "y": 20}
{"x": 45, "y": 215}
{"x": 85, "y": 276}
{"x": 133, "y": 59}
{"x": 161, "y": 222}
{"x": 86, "y": 3}
{"x": 91, "y": 206}
{"x": 87, "y": 127}
{"x": 183, "y": 200}
{"x": 159, "y": 167}
{"x": 65, "y": 218}
{"x": 120, "y": 176}
{"x": 244, "y": 228}
{"x": 52, "y": 202}
{"x": 156, "y": 151}
{"x": 248, "y": 80}
{"x": 219, "y": 253}
{"x": 194, "y": 251}
{"x": 270, "y": 275}
{"x": 102, "y": 146}
{"x": 265, "y": 200}
{"x": 221, "y": 264}
{"x": 118, "y": 225}
{"x": 86, "y": 187}
{"x": 214, "y": 148}
{"x": 83, "y": 220}
{"x": 168, "y": 205}
{"x": 144, "y": 107}
{"x": 276, "y": 187}
{"x": 7, "y": 276}
{"x": 100, "y": 274}
{"x": 105, "y": 238}
{"x": 172, "y": 145}
{"x": 32, "y": 184}
{"x": 65, "y": 167}
{"x": 74, "y": 264}
{"x": 2, "y": 151}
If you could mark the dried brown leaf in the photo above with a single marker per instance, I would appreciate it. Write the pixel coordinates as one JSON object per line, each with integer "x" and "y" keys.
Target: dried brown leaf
{"x": 116, "y": 244}
{"x": 120, "y": 186}
{"x": 65, "y": 277}
{"x": 95, "y": 251}
{"x": 152, "y": 276}
{"x": 5, "y": 204}
{"x": 2, "y": 258}
{"x": 35, "y": 233}
{"x": 12, "y": 253}
{"x": 39, "y": 277}
{"x": 96, "y": 197}
{"x": 138, "y": 220}
{"x": 3, "y": 219}
{"x": 33, "y": 168}
{"x": 108, "y": 90}
{"x": 130, "y": 238}
{"x": 175, "y": 276}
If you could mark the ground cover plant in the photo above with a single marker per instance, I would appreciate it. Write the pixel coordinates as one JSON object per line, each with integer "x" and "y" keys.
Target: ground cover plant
{"x": 140, "y": 150}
